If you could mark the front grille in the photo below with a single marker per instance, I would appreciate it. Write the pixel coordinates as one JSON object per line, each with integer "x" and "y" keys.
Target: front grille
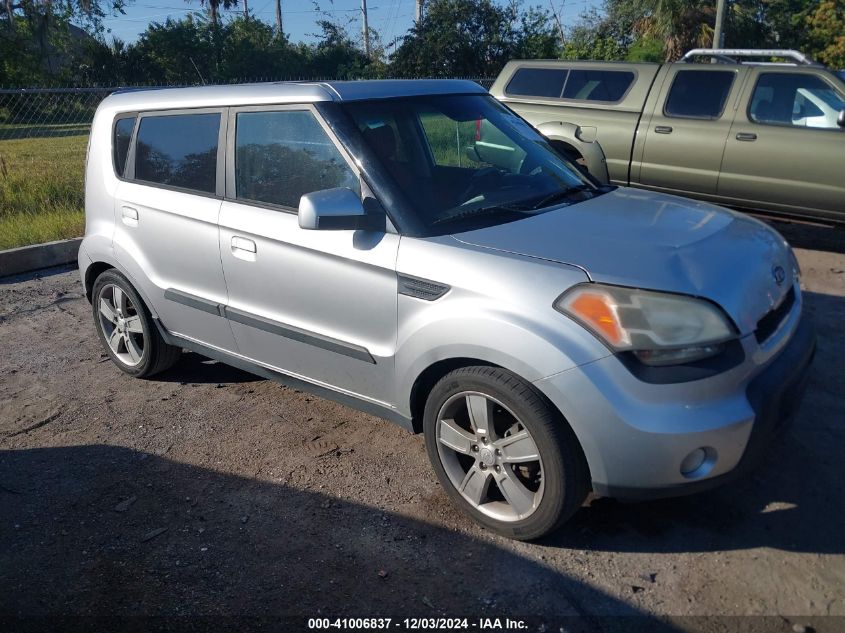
{"x": 771, "y": 322}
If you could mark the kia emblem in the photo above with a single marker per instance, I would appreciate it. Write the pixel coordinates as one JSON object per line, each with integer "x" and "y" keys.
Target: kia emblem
{"x": 779, "y": 275}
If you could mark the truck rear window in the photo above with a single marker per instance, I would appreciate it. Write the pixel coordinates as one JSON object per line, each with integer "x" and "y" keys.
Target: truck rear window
{"x": 576, "y": 84}
{"x": 537, "y": 82}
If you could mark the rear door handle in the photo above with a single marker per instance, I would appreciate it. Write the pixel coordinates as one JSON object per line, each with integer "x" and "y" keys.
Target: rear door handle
{"x": 746, "y": 136}
{"x": 243, "y": 244}
{"x": 129, "y": 216}
{"x": 663, "y": 129}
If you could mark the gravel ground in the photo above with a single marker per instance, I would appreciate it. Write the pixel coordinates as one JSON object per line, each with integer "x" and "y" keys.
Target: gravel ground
{"x": 207, "y": 491}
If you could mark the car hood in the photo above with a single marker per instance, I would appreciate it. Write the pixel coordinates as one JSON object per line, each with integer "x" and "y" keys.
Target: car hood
{"x": 647, "y": 240}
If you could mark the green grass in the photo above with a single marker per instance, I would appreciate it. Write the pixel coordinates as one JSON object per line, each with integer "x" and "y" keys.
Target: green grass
{"x": 41, "y": 189}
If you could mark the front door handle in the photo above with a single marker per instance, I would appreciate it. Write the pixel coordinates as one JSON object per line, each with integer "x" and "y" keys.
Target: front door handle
{"x": 663, "y": 129}
{"x": 243, "y": 247}
{"x": 746, "y": 136}
{"x": 129, "y": 216}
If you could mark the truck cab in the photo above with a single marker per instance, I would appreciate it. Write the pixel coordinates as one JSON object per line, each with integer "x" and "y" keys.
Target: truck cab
{"x": 759, "y": 136}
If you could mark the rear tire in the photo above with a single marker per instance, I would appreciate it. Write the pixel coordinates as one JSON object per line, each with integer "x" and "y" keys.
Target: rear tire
{"x": 503, "y": 453}
{"x": 126, "y": 329}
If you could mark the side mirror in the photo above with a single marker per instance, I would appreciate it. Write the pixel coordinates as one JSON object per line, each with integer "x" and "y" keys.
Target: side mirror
{"x": 333, "y": 210}
{"x": 841, "y": 120}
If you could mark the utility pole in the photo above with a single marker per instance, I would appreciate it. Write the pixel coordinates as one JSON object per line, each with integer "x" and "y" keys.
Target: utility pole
{"x": 718, "y": 35}
{"x": 366, "y": 28}
{"x": 246, "y": 10}
{"x": 559, "y": 25}
{"x": 279, "y": 18}
{"x": 419, "y": 14}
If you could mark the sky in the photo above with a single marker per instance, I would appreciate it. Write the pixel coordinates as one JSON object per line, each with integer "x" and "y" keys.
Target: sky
{"x": 391, "y": 18}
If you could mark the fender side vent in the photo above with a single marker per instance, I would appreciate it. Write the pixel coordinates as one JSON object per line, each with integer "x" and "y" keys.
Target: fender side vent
{"x": 421, "y": 288}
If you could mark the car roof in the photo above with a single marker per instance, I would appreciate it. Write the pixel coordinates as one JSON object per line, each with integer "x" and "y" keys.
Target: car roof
{"x": 284, "y": 92}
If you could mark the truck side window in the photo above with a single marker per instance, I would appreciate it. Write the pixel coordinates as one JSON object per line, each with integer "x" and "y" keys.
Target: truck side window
{"x": 120, "y": 143}
{"x": 794, "y": 99}
{"x": 597, "y": 85}
{"x": 280, "y": 156}
{"x": 699, "y": 94}
{"x": 178, "y": 151}
{"x": 537, "y": 82}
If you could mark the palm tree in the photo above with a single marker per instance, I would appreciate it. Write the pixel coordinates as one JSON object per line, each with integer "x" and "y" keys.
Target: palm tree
{"x": 680, "y": 24}
{"x": 214, "y": 7}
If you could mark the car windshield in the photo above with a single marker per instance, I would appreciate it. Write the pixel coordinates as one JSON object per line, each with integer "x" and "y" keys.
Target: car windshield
{"x": 466, "y": 161}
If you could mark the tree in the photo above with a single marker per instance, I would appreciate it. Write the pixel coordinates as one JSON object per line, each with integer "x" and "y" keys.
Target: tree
{"x": 214, "y": 6}
{"x": 826, "y": 32}
{"x": 471, "y": 38}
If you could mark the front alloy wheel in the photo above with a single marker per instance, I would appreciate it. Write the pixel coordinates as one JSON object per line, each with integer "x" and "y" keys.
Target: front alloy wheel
{"x": 503, "y": 452}
{"x": 490, "y": 456}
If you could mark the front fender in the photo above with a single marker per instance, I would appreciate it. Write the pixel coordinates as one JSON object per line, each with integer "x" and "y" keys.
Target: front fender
{"x": 581, "y": 139}
{"x": 528, "y": 347}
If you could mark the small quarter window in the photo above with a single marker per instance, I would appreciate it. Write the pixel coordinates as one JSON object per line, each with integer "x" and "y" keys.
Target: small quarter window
{"x": 280, "y": 156}
{"x": 597, "y": 85}
{"x": 120, "y": 143}
{"x": 537, "y": 82}
{"x": 699, "y": 94}
{"x": 178, "y": 150}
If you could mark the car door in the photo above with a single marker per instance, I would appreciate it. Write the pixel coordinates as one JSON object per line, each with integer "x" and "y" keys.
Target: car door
{"x": 785, "y": 148}
{"x": 166, "y": 234}
{"x": 689, "y": 125}
{"x": 320, "y": 305}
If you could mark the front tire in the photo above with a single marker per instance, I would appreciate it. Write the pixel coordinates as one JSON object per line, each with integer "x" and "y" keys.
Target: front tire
{"x": 126, "y": 329}
{"x": 503, "y": 453}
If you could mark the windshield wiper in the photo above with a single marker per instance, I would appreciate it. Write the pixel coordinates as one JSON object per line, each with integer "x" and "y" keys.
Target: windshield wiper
{"x": 561, "y": 194}
{"x": 491, "y": 210}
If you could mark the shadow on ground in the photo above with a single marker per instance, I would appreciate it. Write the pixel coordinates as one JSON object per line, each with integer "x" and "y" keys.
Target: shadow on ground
{"x": 811, "y": 237}
{"x": 101, "y": 530}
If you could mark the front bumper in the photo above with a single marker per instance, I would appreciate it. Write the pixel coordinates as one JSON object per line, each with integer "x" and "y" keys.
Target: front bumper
{"x": 636, "y": 435}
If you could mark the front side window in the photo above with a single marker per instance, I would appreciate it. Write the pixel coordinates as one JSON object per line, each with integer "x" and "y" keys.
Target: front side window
{"x": 178, "y": 150}
{"x": 280, "y": 156}
{"x": 120, "y": 143}
{"x": 797, "y": 100}
{"x": 485, "y": 165}
{"x": 699, "y": 94}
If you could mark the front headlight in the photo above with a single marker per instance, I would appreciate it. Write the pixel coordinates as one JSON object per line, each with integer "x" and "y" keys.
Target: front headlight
{"x": 659, "y": 328}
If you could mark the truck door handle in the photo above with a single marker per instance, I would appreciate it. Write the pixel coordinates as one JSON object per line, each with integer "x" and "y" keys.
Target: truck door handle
{"x": 243, "y": 244}
{"x": 663, "y": 129}
{"x": 746, "y": 136}
{"x": 129, "y": 216}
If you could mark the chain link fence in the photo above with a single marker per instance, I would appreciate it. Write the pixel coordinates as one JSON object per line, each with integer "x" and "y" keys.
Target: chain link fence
{"x": 55, "y": 112}
{"x": 43, "y": 140}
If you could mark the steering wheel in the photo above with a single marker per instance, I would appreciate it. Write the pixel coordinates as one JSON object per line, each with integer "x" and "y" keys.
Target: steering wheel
{"x": 481, "y": 180}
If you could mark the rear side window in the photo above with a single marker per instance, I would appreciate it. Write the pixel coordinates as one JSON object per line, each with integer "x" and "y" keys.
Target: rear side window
{"x": 699, "y": 94}
{"x": 178, "y": 151}
{"x": 537, "y": 82}
{"x": 120, "y": 143}
{"x": 280, "y": 156}
{"x": 597, "y": 85}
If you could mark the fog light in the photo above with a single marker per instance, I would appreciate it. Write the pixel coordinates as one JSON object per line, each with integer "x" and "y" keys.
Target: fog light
{"x": 693, "y": 461}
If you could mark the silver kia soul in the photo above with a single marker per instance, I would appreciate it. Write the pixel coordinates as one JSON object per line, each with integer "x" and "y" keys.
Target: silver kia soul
{"x": 416, "y": 250}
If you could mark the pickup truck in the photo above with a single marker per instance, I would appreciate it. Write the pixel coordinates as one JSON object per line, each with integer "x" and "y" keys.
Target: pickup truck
{"x": 751, "y": 135}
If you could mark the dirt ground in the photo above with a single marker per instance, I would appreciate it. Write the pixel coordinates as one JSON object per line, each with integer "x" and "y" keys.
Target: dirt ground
{"x": 209, "y": 492}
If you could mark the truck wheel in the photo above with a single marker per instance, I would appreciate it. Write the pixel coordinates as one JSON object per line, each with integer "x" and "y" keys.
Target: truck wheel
{"x": 503, "y": 453}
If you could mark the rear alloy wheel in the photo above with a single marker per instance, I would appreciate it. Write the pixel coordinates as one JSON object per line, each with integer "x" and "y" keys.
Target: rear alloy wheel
{"x": 503, "y": 453}
{"x": 126, "y": 328}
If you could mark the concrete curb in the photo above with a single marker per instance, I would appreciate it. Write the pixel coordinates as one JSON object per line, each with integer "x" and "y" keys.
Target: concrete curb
{"x": 28, "y": 258}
